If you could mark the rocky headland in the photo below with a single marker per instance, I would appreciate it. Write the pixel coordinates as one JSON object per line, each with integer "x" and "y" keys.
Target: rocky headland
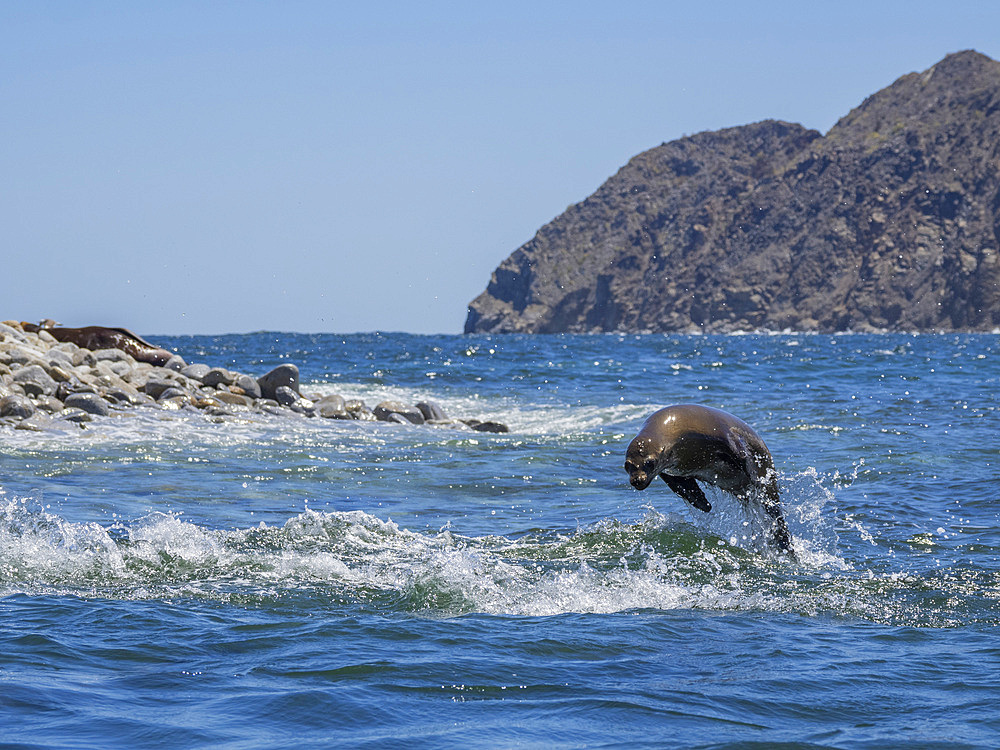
{"x": 890, "y": 221}
{"x": 46, "y": 384}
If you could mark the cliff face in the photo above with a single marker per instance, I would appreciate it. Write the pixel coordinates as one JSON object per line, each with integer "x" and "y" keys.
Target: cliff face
{"x": 889, "y": 221}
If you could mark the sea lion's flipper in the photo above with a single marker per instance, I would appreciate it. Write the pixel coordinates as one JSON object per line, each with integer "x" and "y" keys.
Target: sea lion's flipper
{"x": 780, "y": 538}
{"x": 688, "y": 489}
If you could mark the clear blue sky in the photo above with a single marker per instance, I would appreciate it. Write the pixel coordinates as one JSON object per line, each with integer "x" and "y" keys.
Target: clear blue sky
{"x": 212, "y": 167}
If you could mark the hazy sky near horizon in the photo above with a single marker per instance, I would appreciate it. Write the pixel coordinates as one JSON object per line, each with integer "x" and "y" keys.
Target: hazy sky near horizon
{"x": 212, "y": 167}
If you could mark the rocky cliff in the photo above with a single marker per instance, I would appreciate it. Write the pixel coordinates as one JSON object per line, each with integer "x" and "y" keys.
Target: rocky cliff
{"x": 889, "y": 221}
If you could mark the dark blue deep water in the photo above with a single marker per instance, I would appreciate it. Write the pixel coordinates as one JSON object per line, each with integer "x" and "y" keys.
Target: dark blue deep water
{"x": 169, "y": 579}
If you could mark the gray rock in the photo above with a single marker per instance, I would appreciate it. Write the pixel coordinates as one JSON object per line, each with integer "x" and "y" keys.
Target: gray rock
{"x": 124, "y": 395}
{"x": 176, "y": 402}
{"x": 359, "y": 410}
{"x": 120, "y": 368}
{"x": 488, "y": 426}
{"x": 37, "y": 422}
{"x": 156, "y": 386}
{"x": 73, "y": 386}
{"x": 176, "y": 363}
{"x": 332, "y": 407}
{"x": 35, "y": 381}
{"x": 89, "y": 402}
{"x": 173, "y": 392}
{"x": 112, "y": 355}
{"x": 83, "y": 357}
{"x": 11, "y": 332}
{"x": 22, "y": 357}
{"x": 432, "y": 411}
{"x": 303, "y": 406}
{"x": 75, "y": 415}
{"x": 233, "y": 399}
{"x": 49, "y": 404}
{"x": 330, "y": 411}
{"x": 17, "y": 406}
{"x": 105, "y": 369}
{"x": 217, "y": 409}
{"x": 410, "y": 413}
{"x": 333, "y": 399}
{"x": 218, "y": 376}
{"x": 60, "y": 374}
{"x": 196, "y": 372}
{"x": 59, "y": 357}
{"x": 285, "y": 395}
{"x": 248, "y": 385}
{"x": 139, "y": 374}
{"x": 41, "y": 377}
{"x": 282, "y": 375}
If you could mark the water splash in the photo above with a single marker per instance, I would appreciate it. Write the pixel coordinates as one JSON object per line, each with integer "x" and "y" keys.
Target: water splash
{"x": 659, "y": 562}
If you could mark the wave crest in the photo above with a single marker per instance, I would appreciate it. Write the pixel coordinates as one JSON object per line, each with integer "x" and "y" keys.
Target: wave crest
{"x": 354, "y": 557}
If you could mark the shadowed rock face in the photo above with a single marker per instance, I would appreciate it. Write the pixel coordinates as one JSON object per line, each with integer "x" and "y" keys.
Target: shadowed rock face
{"x": 889, "y": 221}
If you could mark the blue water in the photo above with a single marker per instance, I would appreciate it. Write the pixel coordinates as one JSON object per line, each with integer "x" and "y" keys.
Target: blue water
{"x": 170, "y": 579}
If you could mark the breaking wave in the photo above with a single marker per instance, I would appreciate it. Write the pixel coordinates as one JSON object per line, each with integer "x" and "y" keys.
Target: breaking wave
{"x": 357, "y": 559}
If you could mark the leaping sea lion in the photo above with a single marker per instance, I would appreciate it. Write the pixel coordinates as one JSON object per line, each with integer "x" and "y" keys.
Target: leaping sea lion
{"x": 99, "y": 337}
{"x": 688, "y": 442}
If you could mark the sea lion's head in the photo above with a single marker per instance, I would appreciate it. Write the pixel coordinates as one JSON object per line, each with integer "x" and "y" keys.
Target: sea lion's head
{"x": 642, "y": 461}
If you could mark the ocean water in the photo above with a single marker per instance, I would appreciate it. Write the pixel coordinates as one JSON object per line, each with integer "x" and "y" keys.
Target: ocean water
{"x": 172, "y": 580}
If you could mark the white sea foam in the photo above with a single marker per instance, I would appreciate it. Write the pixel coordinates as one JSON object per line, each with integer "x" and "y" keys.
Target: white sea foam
{"x": 656, "y": 563}
{"x": 196, "y": 432}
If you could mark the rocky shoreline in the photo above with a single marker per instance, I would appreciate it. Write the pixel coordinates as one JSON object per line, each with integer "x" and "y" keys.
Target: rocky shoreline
{"x": 48, "y": 384}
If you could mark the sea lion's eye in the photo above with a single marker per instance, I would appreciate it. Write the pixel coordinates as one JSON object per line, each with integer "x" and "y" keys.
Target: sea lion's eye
{"x": 649, "y": 464}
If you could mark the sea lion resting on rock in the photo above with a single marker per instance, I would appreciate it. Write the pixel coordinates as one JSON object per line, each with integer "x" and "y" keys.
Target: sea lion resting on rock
{"x": 99, "y": 337}
{"x": 687, "y": 442}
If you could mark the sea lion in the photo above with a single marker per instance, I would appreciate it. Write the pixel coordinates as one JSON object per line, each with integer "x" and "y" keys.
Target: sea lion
{"x": 99, "y": 337}
{"x": 687, "y": 442}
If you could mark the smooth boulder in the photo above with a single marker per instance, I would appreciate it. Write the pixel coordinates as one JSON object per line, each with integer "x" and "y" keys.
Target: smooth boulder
{"x": 487, "y": 426}
{"x": 218, "y": 376}
{"x": 17, "y": 406}
{"x": 282, "y": 375}
{"x": 248, "y": 385}
{"x": 196, "y": 371}
{"x": 155, "y": 386}
{"x": 332, "y": 407}
{"x": 89, "y": 402}
{"x": 35, "y": 381}
{"x": 432, "y": 411}
{"x": 285, "y": 395}
{"x": 385, "y": 410}
{"x": 359, "y": 410}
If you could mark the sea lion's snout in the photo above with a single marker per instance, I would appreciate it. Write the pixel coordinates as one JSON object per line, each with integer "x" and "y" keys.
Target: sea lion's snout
{"x": 639, "y": 479}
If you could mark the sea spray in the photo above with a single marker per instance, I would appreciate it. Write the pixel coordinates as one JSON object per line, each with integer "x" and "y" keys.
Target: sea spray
{"x": 657, "y": 563}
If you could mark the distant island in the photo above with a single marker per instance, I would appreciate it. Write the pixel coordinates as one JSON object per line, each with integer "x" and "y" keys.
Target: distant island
{"x": 890, "y": 221}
